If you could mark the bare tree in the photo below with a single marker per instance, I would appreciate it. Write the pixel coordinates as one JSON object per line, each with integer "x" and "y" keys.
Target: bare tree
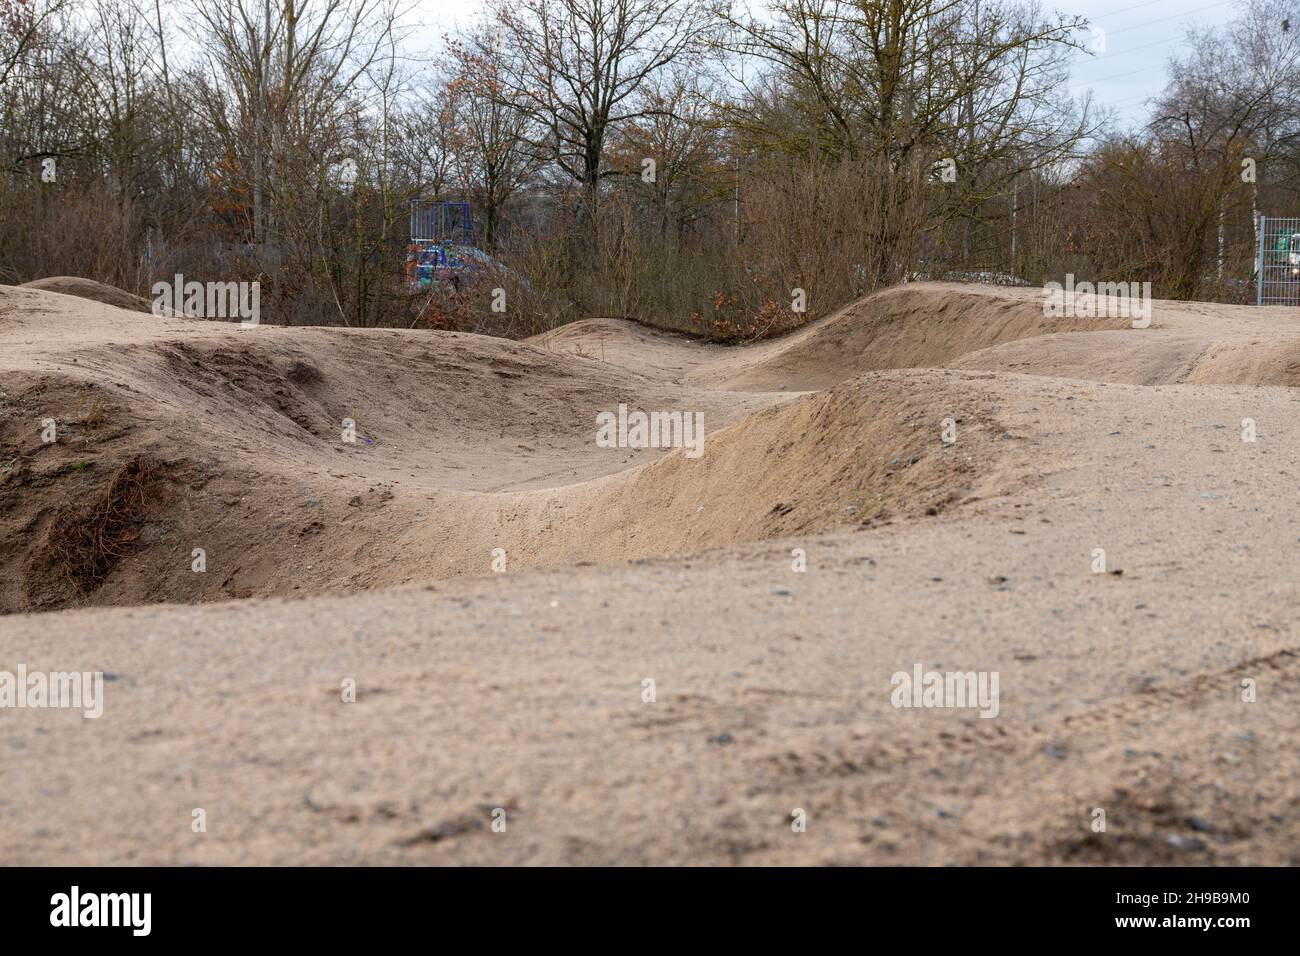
{"x": 1235, "y": 95}
{"x": 426, "y": 147}
{"x": 494, "y": 132}
{"x": 975, "y": 82}
{"x": 575, "y": 67}
{"x": 276, "y": 72}
{"x": 676, "y": 153}
{"x": 20, "y": 26}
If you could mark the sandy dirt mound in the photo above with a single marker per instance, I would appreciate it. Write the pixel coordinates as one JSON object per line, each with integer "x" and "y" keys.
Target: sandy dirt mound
{"x": 864, "y": 453}
{"x": 335, "y": 516}
{"x": 1159, "y": 357}
{"x": 90, "y": 289}
{"x": 467, "y": 446}
{"x": 1187, "y": 343}
{"x": 244, "y": 435}
{"x": 908, "y": 327}
{"x": 1254, "y": 363}
{"x": 626, "y": 343}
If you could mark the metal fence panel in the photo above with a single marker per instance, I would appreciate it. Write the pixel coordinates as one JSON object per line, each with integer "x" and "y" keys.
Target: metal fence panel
{"x": 438, "y": 221}
{"x": 1278, "y": 278}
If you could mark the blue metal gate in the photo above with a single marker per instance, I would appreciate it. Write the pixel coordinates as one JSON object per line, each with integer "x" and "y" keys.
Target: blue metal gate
{"x": 441, "y": 221}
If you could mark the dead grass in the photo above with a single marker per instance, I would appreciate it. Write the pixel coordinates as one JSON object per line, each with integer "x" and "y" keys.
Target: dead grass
{"x": 96, "y": 414}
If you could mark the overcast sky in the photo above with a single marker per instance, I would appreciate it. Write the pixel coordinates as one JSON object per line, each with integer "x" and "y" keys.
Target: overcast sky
{"x": 1139, "y": 37}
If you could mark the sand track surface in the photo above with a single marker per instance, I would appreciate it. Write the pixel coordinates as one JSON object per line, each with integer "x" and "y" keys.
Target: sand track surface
{"x": 923, "y": 477}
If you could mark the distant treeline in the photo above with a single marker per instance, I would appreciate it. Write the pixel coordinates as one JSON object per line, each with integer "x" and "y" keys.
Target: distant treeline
{"x": 673, "y": 161}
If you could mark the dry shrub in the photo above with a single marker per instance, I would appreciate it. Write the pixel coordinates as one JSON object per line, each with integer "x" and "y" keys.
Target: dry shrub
{"x": 97, "y": 414}
{"x": 835, "y": 229}
{"x": 63, "y": 230}
{"x": 85, "y": 543}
